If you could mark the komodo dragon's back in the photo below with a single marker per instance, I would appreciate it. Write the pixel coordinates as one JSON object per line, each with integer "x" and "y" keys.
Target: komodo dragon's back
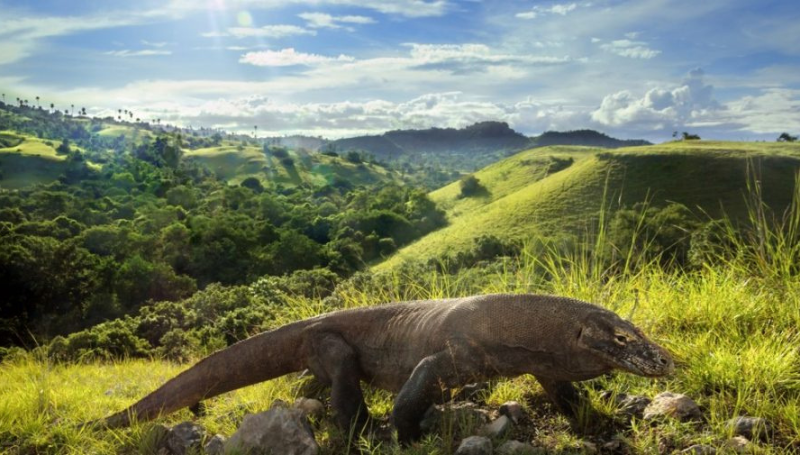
{"x": 414, "y": 348}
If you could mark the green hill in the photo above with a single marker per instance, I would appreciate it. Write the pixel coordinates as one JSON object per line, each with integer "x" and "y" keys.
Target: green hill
{"x": 27, "y": 160}
{"x": 235, "y": 163}
{"x": 560, "y": 189}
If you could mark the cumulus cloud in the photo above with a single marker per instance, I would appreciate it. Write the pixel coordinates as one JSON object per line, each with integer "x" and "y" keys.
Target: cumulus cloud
{"x": 629, "y": 48}
{"x": 659, "y": 108}
{"x": 289, "y": 57}
{"x": 323, "y": 20}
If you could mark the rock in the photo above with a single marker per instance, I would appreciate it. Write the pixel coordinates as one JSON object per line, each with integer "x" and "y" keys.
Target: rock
{"x": 497, "y": 428}
{"x": 513, "y": 410}
{"x": 215, "y": 445}
{"x": 699, "y": 449}
{"x": 185, "y": 437}
{"x": 311, "y": 407}
{"x": 674, "y": 405}
{"x": 632, "y": 406}
{"x": 279, "y": 431}
{"x": 749, "y": 427}
{"x": 519, "y": 448}
{"x": 738, "y": 444}
{"x": 475, "y": 445}
{"x": 460, "y": 412}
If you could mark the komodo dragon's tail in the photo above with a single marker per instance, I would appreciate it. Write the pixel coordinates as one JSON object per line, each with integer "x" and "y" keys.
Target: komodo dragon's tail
{"x": 256, "y": 359}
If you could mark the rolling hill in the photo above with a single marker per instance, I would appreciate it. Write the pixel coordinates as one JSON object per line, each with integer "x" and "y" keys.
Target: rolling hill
{"x": 559, "y": 189}
{"x": 235, "y": 163}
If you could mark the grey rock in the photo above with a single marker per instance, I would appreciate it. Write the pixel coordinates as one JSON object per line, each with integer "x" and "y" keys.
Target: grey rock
{"x": 673, "y": 405}
{"x": 311, "y": 407}
{"x": 513, "y": 410}
{"x": 277, "y": 431}
{"x": 632, "y": 406}
{"x": 184, "y": 437}
{"x": 699, "y": 449}
{"x": 475, "y": 445}
{"x": 738, "y": 444}
{"x": 463, "y": 412}
{"x": 215, "y": 445}
{"x": 497, "y": 428}
{"x": 750, "y": 427}
{"x": 519, "y": 448}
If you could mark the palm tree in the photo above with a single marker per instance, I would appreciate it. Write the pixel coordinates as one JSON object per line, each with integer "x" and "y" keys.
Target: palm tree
{"x": 52, "y": 107}
{"x": 255, "y": 130}
{"x": 37, "y": 102}
{"x": 72, "y": 111}
{"x": 4, "y": 98}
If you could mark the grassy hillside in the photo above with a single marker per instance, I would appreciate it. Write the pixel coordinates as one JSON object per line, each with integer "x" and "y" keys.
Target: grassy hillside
{"x": 560, "y": 189}
{"x": 234, "y": 163}
{"x": 27, "y": 160}
{"x": 732, "y": 330}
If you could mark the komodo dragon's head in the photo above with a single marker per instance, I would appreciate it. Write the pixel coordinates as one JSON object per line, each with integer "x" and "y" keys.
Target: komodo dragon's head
{"x": 624, "y": 346}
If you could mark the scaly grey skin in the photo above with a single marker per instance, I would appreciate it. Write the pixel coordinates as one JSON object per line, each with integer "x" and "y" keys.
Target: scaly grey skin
{"x": 416, "y": 349}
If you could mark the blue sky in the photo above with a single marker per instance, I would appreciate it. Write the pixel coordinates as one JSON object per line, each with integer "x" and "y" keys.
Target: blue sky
{"x": 727, "y": 69}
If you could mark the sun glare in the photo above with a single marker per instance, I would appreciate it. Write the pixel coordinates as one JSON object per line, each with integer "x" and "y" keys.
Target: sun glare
{"x": 244, "y": 19}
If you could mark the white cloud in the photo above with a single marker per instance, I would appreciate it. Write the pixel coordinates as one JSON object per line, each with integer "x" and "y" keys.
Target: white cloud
{"x": 631, "y": 49}
{"x": 155, "y": 44}
{"x": 405, "y": 8}
{"x": 269, "y": 31}
{"x": 139, "y": 53}
{"x": 562, "y": 9}
{"x": 323, "y": 20}
{"x": 471, "y": 57}
{"x": 774, "y": 110}
{"x": 659, "y": 108}
{"x": 289, "y": 57}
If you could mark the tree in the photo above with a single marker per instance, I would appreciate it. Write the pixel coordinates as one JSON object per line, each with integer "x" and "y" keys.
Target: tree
{"x": 786, "y": 137}
{"x": 690, "y": 137}
{"x": 470, "y": 186}
{"x": 64, "y": 148}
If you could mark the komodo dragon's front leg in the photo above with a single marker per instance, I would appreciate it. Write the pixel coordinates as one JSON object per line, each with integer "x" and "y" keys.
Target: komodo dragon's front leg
{"x": 566, "y": 397}
{"x": 426, "y": 385}
{"x": 335, "y": 363}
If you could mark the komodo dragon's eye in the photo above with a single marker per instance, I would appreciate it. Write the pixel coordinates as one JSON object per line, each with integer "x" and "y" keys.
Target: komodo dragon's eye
{"x": 621, "y": 339}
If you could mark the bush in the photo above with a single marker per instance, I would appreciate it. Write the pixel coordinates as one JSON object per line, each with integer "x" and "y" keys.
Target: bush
{"x": 470, "y": 186}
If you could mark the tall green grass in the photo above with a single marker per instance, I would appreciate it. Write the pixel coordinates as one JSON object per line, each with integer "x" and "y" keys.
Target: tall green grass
{"x": 733, "y": 325}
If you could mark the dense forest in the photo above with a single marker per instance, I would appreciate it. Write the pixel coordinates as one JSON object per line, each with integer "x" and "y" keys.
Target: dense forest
{"x": 151, "y": 226}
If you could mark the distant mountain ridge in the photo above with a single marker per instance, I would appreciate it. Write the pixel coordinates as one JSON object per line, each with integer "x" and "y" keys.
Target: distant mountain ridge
{"x": 589, "y": 138}
{"x": 482, "y": 137}
{"x": 476, "y": 138}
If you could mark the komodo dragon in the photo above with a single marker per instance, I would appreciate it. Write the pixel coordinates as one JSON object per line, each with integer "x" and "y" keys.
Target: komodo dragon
{"x": 416, "y": 349}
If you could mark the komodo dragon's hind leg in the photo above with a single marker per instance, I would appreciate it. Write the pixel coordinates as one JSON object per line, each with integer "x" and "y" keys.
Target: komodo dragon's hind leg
{"x": 334, "y": 362}
{"x": 426, "y": 386}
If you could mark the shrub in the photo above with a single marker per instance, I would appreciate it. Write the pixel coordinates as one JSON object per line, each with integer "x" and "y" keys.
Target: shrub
{"x": 470, "y": 186}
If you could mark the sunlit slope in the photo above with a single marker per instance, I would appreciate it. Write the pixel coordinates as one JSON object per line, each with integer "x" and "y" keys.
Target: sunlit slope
{"x": 235, "y": 163}
{"x": 27, "y": 160}
{"x": 542, "y": 190}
